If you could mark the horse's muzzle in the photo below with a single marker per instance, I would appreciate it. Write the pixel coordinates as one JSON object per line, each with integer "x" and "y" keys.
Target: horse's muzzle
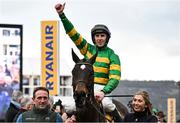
{"x": 80, "y": 99}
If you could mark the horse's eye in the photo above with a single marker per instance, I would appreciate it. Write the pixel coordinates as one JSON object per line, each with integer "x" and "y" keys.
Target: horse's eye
{"x": 74, "y": 71}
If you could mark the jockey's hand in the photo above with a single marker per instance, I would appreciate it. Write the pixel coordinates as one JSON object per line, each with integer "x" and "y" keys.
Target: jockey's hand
{"x": 60, "y": 8}
{"x": 99, "y": 96}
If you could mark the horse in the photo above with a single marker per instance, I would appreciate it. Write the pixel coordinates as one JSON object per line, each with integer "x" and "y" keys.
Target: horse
{"x": 83, "y": 90}
{"x": 87, "y": 108}
{"x": 121, "y": 108}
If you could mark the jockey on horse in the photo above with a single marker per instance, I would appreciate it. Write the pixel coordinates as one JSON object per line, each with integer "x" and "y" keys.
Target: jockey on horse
{"x": 107, "y": 66}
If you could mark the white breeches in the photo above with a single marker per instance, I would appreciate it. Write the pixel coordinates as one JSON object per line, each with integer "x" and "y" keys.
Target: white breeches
{"x": 107, "y": 101}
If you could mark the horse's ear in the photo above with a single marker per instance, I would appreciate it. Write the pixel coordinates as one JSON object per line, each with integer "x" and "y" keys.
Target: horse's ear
{"x": 93, "y": 58}
{"x": 75, "y": 57}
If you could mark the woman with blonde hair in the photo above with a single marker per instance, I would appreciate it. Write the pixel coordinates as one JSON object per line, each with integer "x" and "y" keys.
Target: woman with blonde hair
{"x": 141, "y": 109}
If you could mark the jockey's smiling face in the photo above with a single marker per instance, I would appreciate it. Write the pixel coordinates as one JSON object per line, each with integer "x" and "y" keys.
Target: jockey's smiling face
{"x": 100, "y": 39}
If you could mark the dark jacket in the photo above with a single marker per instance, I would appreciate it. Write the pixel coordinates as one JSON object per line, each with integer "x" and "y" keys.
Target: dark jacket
{"x": 36, "y": 115}
{"x": 21, "y": 110}
{"x": 11, "y": 112}
{"x": 140, "y": 117}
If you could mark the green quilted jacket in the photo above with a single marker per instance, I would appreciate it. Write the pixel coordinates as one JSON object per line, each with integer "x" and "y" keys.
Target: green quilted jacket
{"x": 107, "y": 68}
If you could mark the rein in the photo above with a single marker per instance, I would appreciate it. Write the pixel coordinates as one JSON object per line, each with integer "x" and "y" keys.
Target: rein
{"x": 95, "y": 107}
{"x": 100, "y": 113}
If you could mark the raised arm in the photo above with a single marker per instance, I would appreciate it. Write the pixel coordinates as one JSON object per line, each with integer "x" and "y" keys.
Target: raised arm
{"x": 75, "y": 36}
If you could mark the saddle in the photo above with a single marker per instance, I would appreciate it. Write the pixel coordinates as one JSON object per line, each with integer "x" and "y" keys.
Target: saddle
{"x": 110, "y": 117}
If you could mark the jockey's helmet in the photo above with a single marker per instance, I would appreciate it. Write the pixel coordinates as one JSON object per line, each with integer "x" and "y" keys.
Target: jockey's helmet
{"x": 100, "y": 28}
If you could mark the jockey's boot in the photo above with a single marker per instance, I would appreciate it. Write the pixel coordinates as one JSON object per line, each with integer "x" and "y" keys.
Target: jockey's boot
{"x": 116, "y": 116}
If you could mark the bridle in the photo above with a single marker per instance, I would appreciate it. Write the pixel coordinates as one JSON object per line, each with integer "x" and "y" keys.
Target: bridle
{"x": 89, "y": 85}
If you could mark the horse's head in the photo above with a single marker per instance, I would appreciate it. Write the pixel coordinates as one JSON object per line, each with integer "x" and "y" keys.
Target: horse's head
{"x": 83, "y": 80}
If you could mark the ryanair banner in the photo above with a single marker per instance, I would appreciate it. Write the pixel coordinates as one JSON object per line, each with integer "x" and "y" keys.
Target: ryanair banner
{"x": 49, "y": 56}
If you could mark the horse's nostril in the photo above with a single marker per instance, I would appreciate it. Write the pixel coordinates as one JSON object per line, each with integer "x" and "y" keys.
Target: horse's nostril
{"x": 79, "y": 96}
{"x": 83, "y": 94}
{"x": 79, "y": 93}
